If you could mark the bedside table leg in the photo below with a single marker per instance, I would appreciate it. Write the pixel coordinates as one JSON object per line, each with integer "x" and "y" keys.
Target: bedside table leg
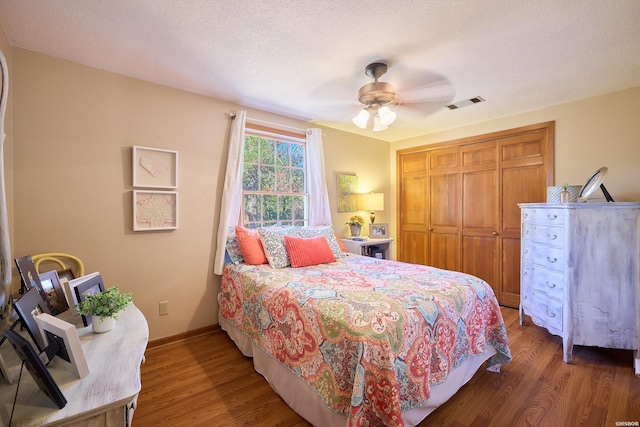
{"x": 567, "y": 349}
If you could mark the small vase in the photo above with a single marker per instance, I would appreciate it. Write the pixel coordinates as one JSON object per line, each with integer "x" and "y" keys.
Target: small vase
{"x": 565, "y": 196}
{"x": 355, "y": 230}
{"x": 101, "y": 326}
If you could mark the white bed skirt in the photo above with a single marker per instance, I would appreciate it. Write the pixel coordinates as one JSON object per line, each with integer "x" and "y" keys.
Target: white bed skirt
{"x": 301, "y": 397}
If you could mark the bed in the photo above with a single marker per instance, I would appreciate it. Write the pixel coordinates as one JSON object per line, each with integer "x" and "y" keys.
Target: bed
{"x": 363, "y": 341}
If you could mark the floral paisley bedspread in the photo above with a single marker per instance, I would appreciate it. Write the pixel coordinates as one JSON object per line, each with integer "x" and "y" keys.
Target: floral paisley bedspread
{"x": 370, "y": 336}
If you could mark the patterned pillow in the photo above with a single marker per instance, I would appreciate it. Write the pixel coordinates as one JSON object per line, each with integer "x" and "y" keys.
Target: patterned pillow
{"x": 233, "y": 249}
{"x": 327, "y": 232}
{"x": 274, "y": 247}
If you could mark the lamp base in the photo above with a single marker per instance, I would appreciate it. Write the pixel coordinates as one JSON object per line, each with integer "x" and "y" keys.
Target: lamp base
{"x": 372, "y": 217}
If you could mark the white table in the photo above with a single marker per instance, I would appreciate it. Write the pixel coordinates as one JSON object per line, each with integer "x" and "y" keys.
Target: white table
{"x": 105, "y": 397}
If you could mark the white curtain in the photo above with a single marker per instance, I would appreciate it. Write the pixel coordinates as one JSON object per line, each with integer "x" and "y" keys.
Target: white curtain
{"x": 232, "y": 192}
{"x": 5, "y": 249}
{"x": 319, "y": 212}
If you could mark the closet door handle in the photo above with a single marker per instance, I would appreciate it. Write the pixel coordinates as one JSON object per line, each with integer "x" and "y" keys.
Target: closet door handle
{"x": 495, "y": 233}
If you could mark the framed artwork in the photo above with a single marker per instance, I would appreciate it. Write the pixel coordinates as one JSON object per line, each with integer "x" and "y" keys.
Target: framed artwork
{"x": 28, "y": 306}
{"x": 378, "y": 231}
{"x": 34, "y": 365}
{"x": 88, "y": 287}
{"x": 155, "y": 210}
{"x": 347, "y": 190}
{"x": 53, "y": 292}
{"x": 65, "y": 336}
{"x": 155, "y": 168}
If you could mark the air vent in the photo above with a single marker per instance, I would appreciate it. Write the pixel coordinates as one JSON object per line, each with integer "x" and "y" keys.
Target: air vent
{"x": 465, "y": 103}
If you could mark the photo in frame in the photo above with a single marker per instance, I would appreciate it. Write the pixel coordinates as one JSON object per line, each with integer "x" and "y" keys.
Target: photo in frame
{"x": 29, "y": 276}
{"x": 347, "y": 191}
{"x": 36, "y": 368}
{"x": 69, "y": 289}
{"x": 28, "y": 306}
{"x": 65, "y": 334}
{"x": 378, "y": 231}
{"x": 155, "y": 168}
{"x": 66, "y": 274}
{"x": 155, "y": 210}
{"x": 88, "y": 287}
{"x": 54, "y": 292}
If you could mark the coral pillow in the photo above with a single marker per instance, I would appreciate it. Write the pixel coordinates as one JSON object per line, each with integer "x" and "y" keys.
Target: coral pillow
{"x": 310, "y": 251}
{"x": 250, "y": 246}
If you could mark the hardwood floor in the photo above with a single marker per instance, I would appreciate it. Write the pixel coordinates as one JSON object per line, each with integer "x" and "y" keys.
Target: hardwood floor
{"x": 207, "y": 381}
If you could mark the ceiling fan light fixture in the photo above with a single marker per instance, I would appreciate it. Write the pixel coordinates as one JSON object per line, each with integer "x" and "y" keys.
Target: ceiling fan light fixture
{"x": 361, "y": 119}
{"x": 377, "y": 124}
{"x": 386, "y": 116}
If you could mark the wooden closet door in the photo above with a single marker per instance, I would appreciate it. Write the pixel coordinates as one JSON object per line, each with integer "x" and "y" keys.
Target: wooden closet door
{"x": 444, "y": 208}
{"x": 480, "y": 208}
{"x": 523, "y": 180}
{"x": 413, "y": 208}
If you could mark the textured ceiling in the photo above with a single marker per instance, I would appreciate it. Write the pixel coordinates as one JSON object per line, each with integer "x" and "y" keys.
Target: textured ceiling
{"x": 306, "y": 59}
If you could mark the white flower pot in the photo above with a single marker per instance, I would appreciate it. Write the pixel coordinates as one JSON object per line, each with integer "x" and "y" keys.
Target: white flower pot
{"x": 101, "y": 326}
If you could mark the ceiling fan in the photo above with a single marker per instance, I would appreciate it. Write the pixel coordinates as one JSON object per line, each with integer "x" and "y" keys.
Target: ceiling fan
{"x": 378, "y": 96}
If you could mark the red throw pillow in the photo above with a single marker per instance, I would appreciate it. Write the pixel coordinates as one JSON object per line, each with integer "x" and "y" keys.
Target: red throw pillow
{"x": 250, "y": 246}
{"x": 308, "y": 251}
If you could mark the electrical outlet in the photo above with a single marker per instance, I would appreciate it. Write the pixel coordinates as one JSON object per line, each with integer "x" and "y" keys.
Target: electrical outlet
{"x": 164, "y": 308}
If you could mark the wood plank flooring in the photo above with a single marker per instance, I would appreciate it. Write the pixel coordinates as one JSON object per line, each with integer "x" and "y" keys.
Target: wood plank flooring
{"x": 206, "y": 381}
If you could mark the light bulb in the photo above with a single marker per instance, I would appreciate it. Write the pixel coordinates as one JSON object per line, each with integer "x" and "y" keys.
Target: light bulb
{"x": 386, "y": 116}
{"x": 361, "y": 119}
{"x": 377, "y": 125}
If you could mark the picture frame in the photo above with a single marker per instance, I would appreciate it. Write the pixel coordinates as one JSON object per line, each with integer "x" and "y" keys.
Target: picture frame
{"x": 155, "y": 210}
{"x": 65, "y": 335}
{"x": 69, "y": 289}
{"x": 155, "y": 167}
{"x": 28, "y": 306}
{"x": 88, "y": 287}
{"x": 54, "y": 292}
{"x": 36, "y": 368}
{"x": 347, "y": 192}
{"x": 67, "y": 273}
{"x": 378, "y": 231}
{"x": 29, "y": 277}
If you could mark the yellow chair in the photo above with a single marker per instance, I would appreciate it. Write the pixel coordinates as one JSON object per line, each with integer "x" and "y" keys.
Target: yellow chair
{"x": 59, "y": 259}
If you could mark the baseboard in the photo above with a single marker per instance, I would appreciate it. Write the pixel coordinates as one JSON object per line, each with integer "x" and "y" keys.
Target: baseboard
{"x": 159, "y": 342}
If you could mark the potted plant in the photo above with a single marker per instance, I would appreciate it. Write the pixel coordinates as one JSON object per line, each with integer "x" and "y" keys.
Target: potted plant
{"x": 355, "y": 223}
{"x": 104, "y": 307}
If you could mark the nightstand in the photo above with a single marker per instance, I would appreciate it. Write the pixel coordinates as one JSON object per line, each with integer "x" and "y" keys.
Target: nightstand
{"x": 377, "y": 248}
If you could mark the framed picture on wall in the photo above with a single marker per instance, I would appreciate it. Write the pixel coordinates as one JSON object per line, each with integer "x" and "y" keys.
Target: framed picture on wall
{"x": 155, "y": 210}
{"x": 347, "y": 189}
{"x": 155, "y": 168}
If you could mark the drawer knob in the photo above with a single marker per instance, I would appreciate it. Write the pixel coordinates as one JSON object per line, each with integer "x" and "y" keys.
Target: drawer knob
{"x": 552, "y": 259}
{"x": 552, "y": 216}
{"x": 552, "y": 236}
{"x": 550, "y": 314}
{"x": 551, "y": 285}
{"x": 526, "y": 215}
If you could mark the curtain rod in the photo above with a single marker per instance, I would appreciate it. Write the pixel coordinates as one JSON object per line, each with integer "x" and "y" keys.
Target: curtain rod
{"x": 271, "y": 124}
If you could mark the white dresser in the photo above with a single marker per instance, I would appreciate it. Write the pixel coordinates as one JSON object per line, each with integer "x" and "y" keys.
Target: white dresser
{"x": 579, "y": 273}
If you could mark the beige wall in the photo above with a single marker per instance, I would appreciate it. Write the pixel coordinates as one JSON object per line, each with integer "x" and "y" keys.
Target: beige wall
{"x": 74, "y": 129}
{"x": 590, "y": 133}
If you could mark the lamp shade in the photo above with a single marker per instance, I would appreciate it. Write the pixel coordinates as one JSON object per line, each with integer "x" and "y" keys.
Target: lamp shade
{"x": 386, "y": 116}
{"x": 372, "y": 201}
{"x": 361, "y": 119}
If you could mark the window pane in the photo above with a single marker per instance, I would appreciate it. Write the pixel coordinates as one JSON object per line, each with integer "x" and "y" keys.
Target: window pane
{"x": 283, "y": 180}
{"x": 297, "y": 181}
{"x": 285, "y": 210}
{"x": 298, "y": 207}
{"x": 250, "y": 177}
{"x": 267, "y": 178}
{"x": 270, "y": 207}
{"x": 267, "y": 151}
{"x": 283, "y": 153}
{"x": 297, "y": 155}
{"x": 251, "y": 146}
{"x": 252, "y": 208}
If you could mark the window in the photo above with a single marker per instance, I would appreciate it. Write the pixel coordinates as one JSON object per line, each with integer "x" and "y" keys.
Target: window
{"x": 273, "y": 181}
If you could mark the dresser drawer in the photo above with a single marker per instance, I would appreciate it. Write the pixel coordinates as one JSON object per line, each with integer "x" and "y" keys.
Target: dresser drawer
{"x": 544, "y": 234}
{"x": 547, "y": 312}
{"x": 548, "y": 282}
{"x": 548, "y": 256}
{"x": 543, "y": 216}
